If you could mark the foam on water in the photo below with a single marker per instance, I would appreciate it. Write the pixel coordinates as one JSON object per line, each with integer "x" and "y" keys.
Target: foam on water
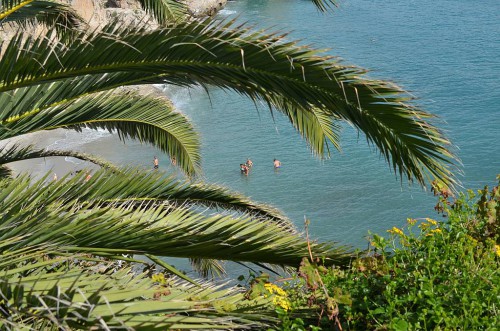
{"x": 74, "y": 139}
{"x": 226, "y": 12}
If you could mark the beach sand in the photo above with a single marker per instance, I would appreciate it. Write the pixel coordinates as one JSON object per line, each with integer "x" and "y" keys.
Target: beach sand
{"x": 107, "y": 147}
{"x": 39, "y": 167}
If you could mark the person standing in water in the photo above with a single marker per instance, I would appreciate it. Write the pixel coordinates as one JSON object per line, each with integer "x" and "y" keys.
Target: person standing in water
{"x": 249, "y": 163}
{"x": 156, "y": 163}
{"x": 277, "y": 164}
{"x": 244, "y": 169}
{"x": 87, "y": 178}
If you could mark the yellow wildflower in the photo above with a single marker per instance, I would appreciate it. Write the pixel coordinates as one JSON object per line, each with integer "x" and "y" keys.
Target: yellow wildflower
{"x": 395, "y": 230}
{"x": 274, "y": 289}
{"x": 411, "y": 221}
{"x": 281, "y": 302}
{"x": 279, "y": 296}
{"x": 438, "y": 230}
{"x": 424, "y": 226}
{"x": 497, "y": 250}
{"x": 158, "y": 278}
{"x": 431, "y": 221}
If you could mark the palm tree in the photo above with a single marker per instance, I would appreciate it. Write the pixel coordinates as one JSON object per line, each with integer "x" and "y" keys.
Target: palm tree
{"x": 54, "y": 235}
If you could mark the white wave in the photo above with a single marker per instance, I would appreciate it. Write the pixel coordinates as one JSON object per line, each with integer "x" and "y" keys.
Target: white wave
{"x": 74, "y": 139}
{"x": 73, "y": 160}
{"x": 180, "y": 96}
{"x": 227, "y": 12}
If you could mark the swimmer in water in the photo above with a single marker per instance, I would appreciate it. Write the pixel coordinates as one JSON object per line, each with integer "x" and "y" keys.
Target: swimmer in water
{"x": 249, "y": 163}
{"x": 155, "y": 163}
{"x": 244, "y": 169}
{"x": 87, "y": 178}
{"x": 277, "y": 164}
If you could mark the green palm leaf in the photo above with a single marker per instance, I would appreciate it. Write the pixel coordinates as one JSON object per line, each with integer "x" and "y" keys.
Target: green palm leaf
{"x": 146, "y": 118}
{"x": 5, "y": 172}
{"x": 17, "y": 153}
{"x": 160, "y": 231}
{"x": 80, "y": 298}
{"x": 51, "y": 13}
{"x": 299, "y": 82}
{"x": 325, "y": 5}
{"x": 137, "y": 186}
{"x": 165, "y": 11}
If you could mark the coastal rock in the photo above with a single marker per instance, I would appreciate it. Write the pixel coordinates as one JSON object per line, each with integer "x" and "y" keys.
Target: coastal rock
{"x": 97, "y": 13}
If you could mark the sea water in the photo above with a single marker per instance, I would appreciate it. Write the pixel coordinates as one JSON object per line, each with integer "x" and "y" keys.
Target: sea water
{"x": 446, "y": 53}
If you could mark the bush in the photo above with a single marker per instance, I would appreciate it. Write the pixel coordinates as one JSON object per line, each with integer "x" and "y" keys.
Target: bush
{"x": 432, "y": 275}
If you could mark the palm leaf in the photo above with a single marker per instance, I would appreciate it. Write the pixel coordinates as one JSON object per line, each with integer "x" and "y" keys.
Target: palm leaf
{"x": 208, "y": 267}
{"x": 165, "y": 11}
{"x": 146, "y": 118}
{"x": 325, "y": 5}
{"x": 17, "y": 153}
{"x": 152, "y": 186}
{"x": 5, "y": 172}
{"x": 50, "y": 13}
{"x": 47, "y": 215}
{"x": 300, "y": 81}
{"x": 79, "y": 298}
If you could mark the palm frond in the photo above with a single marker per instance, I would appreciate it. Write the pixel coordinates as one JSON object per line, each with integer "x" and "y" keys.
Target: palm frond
{"x": 325, "y": 5}
{"x": 165, "y": 11}
{"x": 299, "y": 81}
{"x": 46, "y": 214}
{"x": 208, "y": 267}
{"x": 50, "y": 13}
{"x": 153, "y": 186}
{"x": 81, "y": 298}
{"x": 145, "y": 118}
{"x": 5, "y": 172}
{"x": 16, "y": 152}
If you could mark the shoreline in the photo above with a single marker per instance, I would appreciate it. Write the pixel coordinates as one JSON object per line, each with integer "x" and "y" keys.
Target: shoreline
{"x": 61, "y": 165}
{"x": 39, "y": 167}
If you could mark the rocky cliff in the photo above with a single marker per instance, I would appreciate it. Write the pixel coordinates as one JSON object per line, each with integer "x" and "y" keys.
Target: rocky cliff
{"x": 99, "y": 12}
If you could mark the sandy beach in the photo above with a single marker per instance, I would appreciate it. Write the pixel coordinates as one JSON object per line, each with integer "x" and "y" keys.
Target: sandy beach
{"x": 39, "y": 167}
{"x": 98, "y": 143}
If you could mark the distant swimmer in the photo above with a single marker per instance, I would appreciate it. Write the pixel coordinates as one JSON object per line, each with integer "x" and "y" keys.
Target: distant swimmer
{"x": 249, "y": 163}
{"x": 174, "y": 160}
{"x": 155, "y": 163}
{"x": 244, "y": 169}
{"x": 277, "y": 164}
{"x": 87, "y": 178}
{"x": 54, "y": 177}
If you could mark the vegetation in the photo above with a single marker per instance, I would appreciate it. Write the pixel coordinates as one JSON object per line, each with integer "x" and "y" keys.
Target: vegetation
{"x": 68, "y": 246}
{"x": 434, "y": 275}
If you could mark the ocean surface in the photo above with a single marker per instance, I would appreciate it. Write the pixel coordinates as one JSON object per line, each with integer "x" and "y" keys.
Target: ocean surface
{"x": 446, "y": 53}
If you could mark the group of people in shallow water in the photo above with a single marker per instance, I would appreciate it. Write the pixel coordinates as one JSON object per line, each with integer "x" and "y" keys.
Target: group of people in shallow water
{"x": 245, "y": 167}
{"x": 156, "y": 162}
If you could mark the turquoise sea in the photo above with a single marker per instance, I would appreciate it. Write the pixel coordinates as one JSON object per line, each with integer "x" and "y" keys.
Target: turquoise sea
{"x": 447, "y": 53}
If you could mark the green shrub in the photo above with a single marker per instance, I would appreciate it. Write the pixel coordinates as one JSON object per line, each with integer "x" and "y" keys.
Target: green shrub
{"x": 432, "y": 275}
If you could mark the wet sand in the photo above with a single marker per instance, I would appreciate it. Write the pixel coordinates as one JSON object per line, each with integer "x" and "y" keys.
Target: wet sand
{"x": 39, "y": 167}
